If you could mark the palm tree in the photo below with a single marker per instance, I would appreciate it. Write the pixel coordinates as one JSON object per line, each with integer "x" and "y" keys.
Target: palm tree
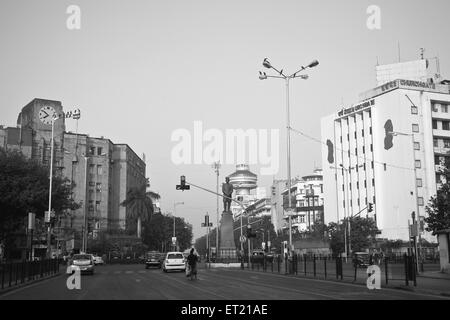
{"x": 140, "y": 205}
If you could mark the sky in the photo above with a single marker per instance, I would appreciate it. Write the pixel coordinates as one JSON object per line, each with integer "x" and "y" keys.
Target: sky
{"x": 140, "y": 70}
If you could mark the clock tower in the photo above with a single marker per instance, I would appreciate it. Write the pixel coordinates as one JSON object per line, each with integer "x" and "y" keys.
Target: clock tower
{"x": 37, "y": 116}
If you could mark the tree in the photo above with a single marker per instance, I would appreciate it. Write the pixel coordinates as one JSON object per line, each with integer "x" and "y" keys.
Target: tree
{"x": 438, "y": 208}
{"x": 139, "y": 205}
{"x": 158, "y": 232}
{"x": 362, "y": 231}
{"x": 24, "y": 188}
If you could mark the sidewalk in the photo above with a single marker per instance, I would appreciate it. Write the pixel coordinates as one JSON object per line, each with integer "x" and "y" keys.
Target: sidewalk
{"x": 434, "y": 275}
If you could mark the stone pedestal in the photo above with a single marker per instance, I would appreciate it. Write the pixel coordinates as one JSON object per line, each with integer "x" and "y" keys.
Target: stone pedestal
{"x": 227, "y": 245}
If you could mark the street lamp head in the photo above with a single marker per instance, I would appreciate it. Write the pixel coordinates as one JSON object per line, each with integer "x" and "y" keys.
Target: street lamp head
{"x": 313, "y": 64}
{"x": 262, "y": 76}
{"x": 267, "y": 64}
{"x": 304, "y": 76}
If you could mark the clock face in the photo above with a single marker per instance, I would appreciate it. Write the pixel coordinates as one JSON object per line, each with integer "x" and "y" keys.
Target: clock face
{"x": 46, "y": 114}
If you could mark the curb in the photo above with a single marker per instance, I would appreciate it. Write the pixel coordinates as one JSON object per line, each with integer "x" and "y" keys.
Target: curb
{"x": 28, "y": 283}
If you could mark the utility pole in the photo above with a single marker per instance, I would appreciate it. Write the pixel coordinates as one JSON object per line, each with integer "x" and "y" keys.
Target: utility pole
{"x": 216, "y": 167}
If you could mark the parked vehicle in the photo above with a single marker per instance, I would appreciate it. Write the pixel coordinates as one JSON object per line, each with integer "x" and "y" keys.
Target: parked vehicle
{"x": 361, "y": 259}
{"x": 98, "y": 260}
{"x": 174, "y": 261}
{"x": 85, "y": 262}
{"x": 153, "y": 259}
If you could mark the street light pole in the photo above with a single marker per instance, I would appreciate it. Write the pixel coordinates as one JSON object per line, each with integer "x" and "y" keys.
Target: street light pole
{"x": 174, "y": 214}
{"x": 84, "y": 245}
{"x": 263, "y": 76}
{"x": 54, "y": 118}
{"x": 216, "y": 167}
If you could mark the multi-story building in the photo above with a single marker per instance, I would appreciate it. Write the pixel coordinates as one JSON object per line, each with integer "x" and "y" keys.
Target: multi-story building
{"x": 102, "y": 172}
{"x": 385, "y": 151}
{"x": 309, "y": 201}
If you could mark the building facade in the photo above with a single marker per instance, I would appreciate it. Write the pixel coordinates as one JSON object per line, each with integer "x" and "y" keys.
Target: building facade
{"x": 385, "y": 151}
{"x": 102, "y": 172}
{"x": 309, "y": 202}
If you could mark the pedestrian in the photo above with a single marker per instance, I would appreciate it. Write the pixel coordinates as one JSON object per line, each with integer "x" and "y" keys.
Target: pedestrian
{"x": 192, "y": 260}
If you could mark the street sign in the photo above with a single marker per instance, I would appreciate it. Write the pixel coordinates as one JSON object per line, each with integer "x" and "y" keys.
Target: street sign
{"x": 243, "y": 238}
{"x": 31, "y": 220}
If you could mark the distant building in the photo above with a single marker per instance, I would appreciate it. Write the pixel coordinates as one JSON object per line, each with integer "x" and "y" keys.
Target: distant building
{"x": 277, "y": 205}
{"x": 101, "y": 170}
{"x": 309, "y": 201}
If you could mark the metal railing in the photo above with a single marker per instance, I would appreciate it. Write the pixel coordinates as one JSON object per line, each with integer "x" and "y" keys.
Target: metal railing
{"x": 338, "y": 268}
{"x": 15, "y": 273}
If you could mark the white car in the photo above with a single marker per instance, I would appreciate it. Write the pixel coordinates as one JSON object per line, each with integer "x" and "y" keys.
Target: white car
{"x": 84, "y": 262}
{"x": 98, "y": 260}
{"x": 174, "y": 261}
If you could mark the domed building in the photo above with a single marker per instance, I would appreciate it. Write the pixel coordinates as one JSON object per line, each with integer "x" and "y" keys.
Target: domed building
{"x": 243, "y": 181}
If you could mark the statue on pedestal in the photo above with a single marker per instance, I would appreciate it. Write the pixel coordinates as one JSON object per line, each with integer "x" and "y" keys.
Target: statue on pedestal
{"x": 227, "y": 190}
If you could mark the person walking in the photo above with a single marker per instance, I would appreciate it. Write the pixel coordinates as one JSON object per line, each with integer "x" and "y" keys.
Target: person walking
{"x": 192, "y": 260}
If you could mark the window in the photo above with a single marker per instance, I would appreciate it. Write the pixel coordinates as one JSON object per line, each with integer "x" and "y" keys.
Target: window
{"x": 91, "y": 194}
{"x": 415, "y": 127}
{"x": 420, "y": 201}
{"x": 364, "y": 149}
{"x": 384, "y": 166}
{"x": 357, "y": 185}
{"x": 444, "y": 108}
{"x": 92, "y": 150}
{"x": 99, "y": 151}
{"x": 435, "y": 143}
{"x": 99, "y": 170}
{"x": 356, "y": 151}
{"x": 370, "y": 130}
{"x": 419, "y": 182}
{"x": 99, "y": 187}
{"x": 97, "y": 206}
{"x": 302, "y": 219}
{"x": 414, "y": 110}
{"x": 434, "y": 107}
{"x": 355, "y": 134}
{"x": 446, "y": 143}
{"x": 359, "y": 202}
{"x": 416, "y": 146}
{"x": 341, "y": 139}
{"x": 321, "y": 188}
{"x": 343, "y": 202}
{"x": 445, "y": 125}
{"x": 92, "y": 168}
{"x": 373, "y": 182}
{"x": 418, "y": 164}
{"x": 365, "y": 183}
{"x": 91, "y": 205}
{"x": 371, "y": 147}
{"x": 372, "y": 164}
{"x": 362, "y": 132}
{"x": 434, "y": 124}
{"x": 348, "y": 136}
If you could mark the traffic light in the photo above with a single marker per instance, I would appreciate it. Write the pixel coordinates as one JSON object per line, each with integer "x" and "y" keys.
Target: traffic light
{"x": 370, "y": 208}
{"x": 183, "y": 186}
{"x": 250, "y": 234}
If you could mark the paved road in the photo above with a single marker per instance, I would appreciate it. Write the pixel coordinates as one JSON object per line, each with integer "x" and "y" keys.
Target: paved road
{"x": 135, "y": 282}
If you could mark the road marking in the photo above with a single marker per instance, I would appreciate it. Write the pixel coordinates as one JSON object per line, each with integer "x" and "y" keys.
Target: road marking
{"x": 129, "y": 272}
{"x": 138, "y": 280}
